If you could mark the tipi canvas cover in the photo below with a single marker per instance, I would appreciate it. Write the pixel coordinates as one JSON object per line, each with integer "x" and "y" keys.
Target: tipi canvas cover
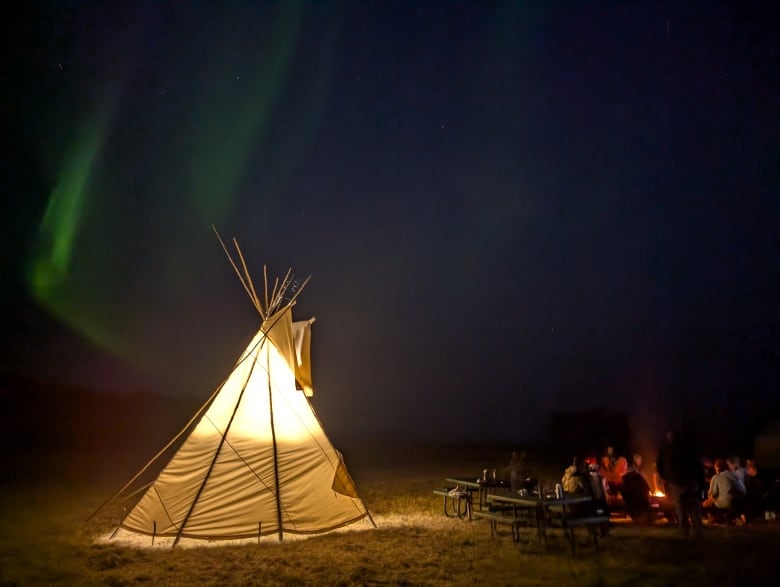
{"x": 258, "y": 461}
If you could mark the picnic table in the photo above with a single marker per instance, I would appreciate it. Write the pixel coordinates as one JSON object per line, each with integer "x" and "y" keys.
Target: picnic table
{"x": 458, "y": 494}
{"x": 546, "y": 512}
{"x": 482, "y": 487}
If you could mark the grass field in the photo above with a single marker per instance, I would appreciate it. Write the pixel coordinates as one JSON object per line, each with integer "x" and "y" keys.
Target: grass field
{"x": 44, "y": 540}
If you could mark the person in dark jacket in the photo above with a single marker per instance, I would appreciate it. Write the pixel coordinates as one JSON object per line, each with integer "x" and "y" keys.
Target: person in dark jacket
{"x": 679, "y": 466}
{"x": 759, "y": 501}
{"x": 636, "y": 495}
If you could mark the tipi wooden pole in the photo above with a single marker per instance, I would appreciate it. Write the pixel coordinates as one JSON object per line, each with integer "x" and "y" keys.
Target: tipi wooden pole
{"x": 265, "y": 284}
{"x": 253, "y": 293}
{"x": 276, "y": 454}
{"x": 240, "y": 276}
{"x": 162, "y": 451}
{"x": 124, "y": 515}
{"x": 214, "y": 459}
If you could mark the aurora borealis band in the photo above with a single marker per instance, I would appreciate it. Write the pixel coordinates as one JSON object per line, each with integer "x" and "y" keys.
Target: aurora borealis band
{"x": 62, "y": 221}
{"x": 177, "y": 160}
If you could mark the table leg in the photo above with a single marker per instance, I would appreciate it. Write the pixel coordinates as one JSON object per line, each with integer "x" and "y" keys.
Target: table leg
{"x": 453, "y": 501}
{"x": 541, "y": 526}
{"x": 464, "y": 506}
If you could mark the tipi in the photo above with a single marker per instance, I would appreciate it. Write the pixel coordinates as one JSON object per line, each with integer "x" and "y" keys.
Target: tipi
{"x": 257, "y": 461}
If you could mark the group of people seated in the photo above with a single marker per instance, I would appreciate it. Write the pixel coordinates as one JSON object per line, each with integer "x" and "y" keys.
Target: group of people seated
{"x": 730, "y": 493}
{"x": 736, "y": 493}
{"x": 681, "y": 487}
{"x": 615, "y": 481}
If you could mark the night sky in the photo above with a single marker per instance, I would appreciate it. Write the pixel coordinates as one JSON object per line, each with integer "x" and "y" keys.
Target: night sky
{"x": 507, "y": 209}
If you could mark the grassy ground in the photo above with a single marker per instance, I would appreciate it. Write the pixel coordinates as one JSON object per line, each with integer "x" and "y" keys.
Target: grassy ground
{"x": 44, "y": 541}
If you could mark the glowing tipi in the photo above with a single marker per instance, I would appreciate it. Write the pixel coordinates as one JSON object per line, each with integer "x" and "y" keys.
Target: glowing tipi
{"x": 257, "y": 462}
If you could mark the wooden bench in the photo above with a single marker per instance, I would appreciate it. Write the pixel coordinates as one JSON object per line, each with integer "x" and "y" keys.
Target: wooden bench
{"x": 594, "y": 524}
{"x": 511, "y": 518}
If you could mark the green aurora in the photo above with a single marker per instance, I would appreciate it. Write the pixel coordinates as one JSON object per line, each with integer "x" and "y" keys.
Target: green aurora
{"x": 187, "y": 174}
